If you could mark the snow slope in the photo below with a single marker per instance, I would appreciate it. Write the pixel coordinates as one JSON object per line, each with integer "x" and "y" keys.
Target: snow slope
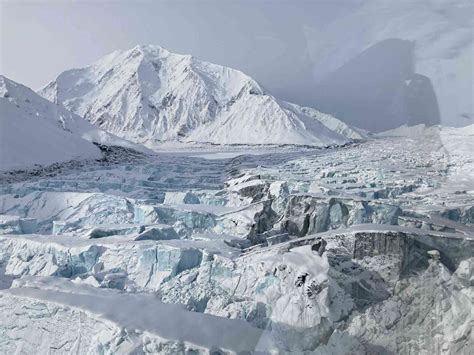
{"x": 35, "y": 131}
{"x": 457, "y": 143}
{"x": 138, "y": 314}
{"x": 411, "y": 131}
{"x": 147, "y": 94}
{"x": 442, "y": 32}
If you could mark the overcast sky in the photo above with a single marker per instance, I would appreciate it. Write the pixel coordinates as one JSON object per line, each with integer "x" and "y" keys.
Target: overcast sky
{"x": 266, "y": 39}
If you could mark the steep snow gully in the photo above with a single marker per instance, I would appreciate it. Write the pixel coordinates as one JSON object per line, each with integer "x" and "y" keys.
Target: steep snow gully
{"x": 356, "y": 249}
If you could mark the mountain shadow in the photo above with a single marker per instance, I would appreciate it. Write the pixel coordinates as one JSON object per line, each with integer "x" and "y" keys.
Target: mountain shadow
{"x": 379, "y": 89}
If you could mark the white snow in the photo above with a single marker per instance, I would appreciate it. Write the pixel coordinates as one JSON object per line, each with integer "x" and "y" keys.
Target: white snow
{"x": 132, "y": 257}
{"x": 419, "y": 131}
{"x": 34, "y": 131}
{"x": 139, "y": 313}
{"x": 149, "y": 95}
{"x": 36, "y": 134}
{"x": 458, "y": 144}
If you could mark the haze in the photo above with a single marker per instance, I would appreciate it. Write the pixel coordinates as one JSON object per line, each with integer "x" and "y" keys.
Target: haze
{"x": 276, "y": 42}
{"x": 41, "y": 39}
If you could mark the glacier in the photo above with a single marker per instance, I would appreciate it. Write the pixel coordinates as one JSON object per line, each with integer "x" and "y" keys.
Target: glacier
{"x": 361, "y": 248}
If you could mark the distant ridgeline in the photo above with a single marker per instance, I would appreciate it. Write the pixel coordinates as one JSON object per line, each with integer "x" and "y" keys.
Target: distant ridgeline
{"x": 379, "y": 89}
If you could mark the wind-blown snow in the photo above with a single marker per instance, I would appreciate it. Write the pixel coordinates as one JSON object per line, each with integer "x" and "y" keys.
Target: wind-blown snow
{"x": 147, "y": 94}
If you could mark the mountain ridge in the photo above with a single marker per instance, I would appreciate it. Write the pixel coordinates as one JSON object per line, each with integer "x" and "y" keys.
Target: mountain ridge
{"x": 35, "y": 131}
{"x": 442, "y": 47}
{"x": 148, "y": 95}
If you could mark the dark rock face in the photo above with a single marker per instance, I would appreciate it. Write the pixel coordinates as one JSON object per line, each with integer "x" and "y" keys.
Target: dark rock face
{"x": 411, "y": 248}
{"x": 301, "y": 279}
{"x": 411, "y": 255}
{"x": 314, "y": 289}
{"x": 372, "y": 244}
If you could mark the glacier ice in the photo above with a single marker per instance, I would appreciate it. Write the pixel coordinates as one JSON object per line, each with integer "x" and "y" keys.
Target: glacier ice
{"x": 299, "y": 250}
{"x": 64, "y": 310}
{"x": 17, "y": 225}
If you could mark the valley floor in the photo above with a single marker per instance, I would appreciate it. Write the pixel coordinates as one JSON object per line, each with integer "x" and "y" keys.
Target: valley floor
{"x": 364, "y": 248}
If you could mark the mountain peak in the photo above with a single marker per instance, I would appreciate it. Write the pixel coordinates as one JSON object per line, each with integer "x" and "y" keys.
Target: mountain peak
{"x": 147, "y": 95}
{"x": 15, "y": 92}
{"x": 3, "y": 86}
{"x": 7, "y": 84}
{"x": 149, "y": 49}
{"x": 36, "y": 131}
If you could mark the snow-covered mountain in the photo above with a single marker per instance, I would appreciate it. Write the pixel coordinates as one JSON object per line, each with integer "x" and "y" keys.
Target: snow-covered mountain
{"x": 148, "y": 94}
{"x": 441, "y": 33}
{"x": 35, "y": 131}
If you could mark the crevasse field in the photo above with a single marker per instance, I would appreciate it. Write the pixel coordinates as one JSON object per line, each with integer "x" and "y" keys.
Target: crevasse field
{"x": 155, "y": 203}
{"x": 352, "y": 249}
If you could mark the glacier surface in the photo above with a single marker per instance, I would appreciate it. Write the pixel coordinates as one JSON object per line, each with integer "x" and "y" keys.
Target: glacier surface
{"x": 356, "y": 249}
